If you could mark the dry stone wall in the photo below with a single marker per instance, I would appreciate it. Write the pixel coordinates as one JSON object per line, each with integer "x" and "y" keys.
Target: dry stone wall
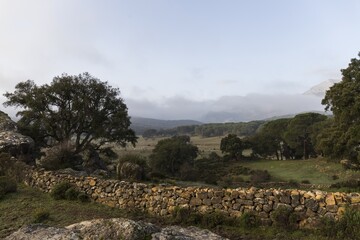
{"x": 309, "y": 206}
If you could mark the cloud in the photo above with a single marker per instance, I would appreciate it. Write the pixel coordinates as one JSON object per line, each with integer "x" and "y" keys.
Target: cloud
{"x": 226, "y": 108}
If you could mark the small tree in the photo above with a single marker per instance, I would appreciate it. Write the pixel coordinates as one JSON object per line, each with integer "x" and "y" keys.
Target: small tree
{"x": 232, "y": 145}
{"x": 170, "y": 154}
{"x": 80, "y": 109}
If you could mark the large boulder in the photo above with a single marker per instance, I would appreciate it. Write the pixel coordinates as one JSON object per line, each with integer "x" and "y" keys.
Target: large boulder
{"x": 6, "y": 124}
{"x": 11, "y": 141}
{"x": 114, "y": 228}
{"x": 130, "y": 171}
{"x": 188, "y": 233}
{"x": 92, "y": 161}
{"x": 41, "y": 232}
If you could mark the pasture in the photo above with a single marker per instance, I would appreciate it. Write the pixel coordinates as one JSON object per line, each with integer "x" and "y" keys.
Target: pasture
{"x": 317, "y": 171}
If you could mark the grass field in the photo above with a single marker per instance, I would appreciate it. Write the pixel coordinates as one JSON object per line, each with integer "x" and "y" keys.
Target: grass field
{"x": 21, "y": 208}
{"x": 317, "y": 171}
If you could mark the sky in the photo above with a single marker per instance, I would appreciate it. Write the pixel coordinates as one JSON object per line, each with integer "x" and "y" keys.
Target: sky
{"x": 176, "y": 59}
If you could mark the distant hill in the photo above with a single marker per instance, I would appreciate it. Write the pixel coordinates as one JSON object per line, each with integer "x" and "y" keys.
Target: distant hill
{"x": 139, "y": 124}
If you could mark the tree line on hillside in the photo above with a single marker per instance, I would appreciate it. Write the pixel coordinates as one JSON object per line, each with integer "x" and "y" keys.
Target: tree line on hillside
{"x": 207, "y": 130}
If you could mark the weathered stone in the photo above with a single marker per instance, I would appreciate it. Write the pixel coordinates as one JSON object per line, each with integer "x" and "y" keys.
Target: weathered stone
{"x": 92, "y": 182}
{"x": 309, "y": 194}
{"x": 355, "y": 198}
{"x": 332, "y": 208}
{"x": 189, "y": 233}
{"x": 311, "y": 204}
{"x": 299, "y": 208}
{"x": 216, "y": 200}
{"x": 40, "y": 232}
{"x": 267, "y": 208}
{"x": 202, "y": 195}
{"x": 195, "y": 202}
{"x": 245, "y": 202}
{"x": 330, "y": 200}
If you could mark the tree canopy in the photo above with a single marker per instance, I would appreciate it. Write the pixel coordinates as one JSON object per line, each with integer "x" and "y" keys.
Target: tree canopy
{"x": 171, "y": 153}
{"x": 343, "y": 99}
{"x": 232, "y": 145}
{"x": 79, "y": 108}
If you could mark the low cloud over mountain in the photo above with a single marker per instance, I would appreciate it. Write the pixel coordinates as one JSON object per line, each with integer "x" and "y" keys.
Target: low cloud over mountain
{"x": 227, "y": 108}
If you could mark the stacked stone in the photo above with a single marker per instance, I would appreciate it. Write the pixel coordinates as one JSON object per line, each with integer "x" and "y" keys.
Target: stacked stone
{"x": 309, "y": 206}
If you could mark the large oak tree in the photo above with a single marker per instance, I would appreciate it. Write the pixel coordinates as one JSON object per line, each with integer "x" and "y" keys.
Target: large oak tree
{"x": 343, "y": 99}
{"x": 80, "y": 109}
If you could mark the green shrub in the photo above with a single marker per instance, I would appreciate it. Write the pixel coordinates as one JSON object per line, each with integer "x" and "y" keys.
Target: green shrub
{"x": 132, "y": 167}
{"x": 59, "y": 157}
{"x": 211, "y": 220}
{"x": 347, "y": 227}
{"x": 293, "y": 183}
{"x": 283, "y": 217}
{"x": 59, "y": 190}
{"x": 259, "y": 176}
{"x": 41, "y": 216}
{"x": 180, "y": 215}
{"x": 248, "y": 220}
{"x": 82, "y": 197}
{"x": 11, "y": 167}
{"x": 7, "y": 186}
{"x": 350, "y": 184}
{"x": 71, "y": 194}
{"x": 305, "y": 181}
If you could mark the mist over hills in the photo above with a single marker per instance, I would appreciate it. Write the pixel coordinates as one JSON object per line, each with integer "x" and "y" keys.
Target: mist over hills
{"x": 233, "y": 108}
{"x": 227, "y": 108}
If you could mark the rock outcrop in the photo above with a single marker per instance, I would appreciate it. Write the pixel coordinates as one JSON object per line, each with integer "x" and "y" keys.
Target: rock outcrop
{"x": 40, "y": 232}
{"x": 11, "y": 141}
{"x": 115, "y": 228}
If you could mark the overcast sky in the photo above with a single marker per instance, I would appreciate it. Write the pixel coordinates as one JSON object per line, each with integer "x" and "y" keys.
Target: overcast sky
{"x": 182, "y": 54}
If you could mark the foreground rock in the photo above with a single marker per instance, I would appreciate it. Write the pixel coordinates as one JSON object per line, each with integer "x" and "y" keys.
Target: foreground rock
{"x": 115, "y": 228}
{"x": 189, "y": 233}
{"x": 38, "y": 231}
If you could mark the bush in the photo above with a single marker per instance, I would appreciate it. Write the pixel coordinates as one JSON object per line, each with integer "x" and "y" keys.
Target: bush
{"x": 7, "y": 186}
{"x": 334, "y": 177}
{"x": 132, "y": 167}
{"x": 248, "y": 220}
{"x": 40, "y": 216}
{"x": 259, "y": 176}
{"x": 11, "y": 167}
{"x": 211, "y": 220}
{"x": 59, "y": 190}
{"x": 188, "y": 173}
{"x": 283, "y": 217}
{"x": 59, "y": 157}
{"x": 82, "y": 197}
{"x": 293, "y": 183}
{"x": 305, "y": 181}
{"x": 71, "y": 194}
{"x": 352, "y": 184}
{"x": 347, "y": 227}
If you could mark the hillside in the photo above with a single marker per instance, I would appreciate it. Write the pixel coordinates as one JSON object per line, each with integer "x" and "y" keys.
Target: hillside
{"x": 139, "y": 124}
